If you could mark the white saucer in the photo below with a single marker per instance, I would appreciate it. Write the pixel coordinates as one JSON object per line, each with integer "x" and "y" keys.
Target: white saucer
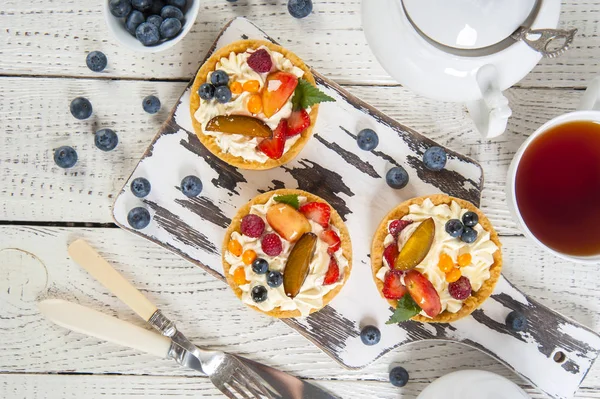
{"x": 472, "y": 384}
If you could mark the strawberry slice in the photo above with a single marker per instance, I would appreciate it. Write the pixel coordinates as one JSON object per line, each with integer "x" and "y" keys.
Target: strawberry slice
{"x": 423, "y": 293}
{"x": 331, "y": 238}
{"x": 317, "y": 211}
{"x": 273, "y": 147}
{"x": 390, "y": 253}
{"x": 333, "y": 272}
{"x": 298, "y": 122}
{"x": 392, "y": 285}
{"x": 279, "y": 87}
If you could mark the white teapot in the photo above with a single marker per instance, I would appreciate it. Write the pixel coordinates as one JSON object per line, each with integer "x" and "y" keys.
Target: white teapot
{"x": 464, "y": 50}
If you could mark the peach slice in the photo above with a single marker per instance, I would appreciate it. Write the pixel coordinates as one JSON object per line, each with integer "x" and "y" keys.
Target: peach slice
{"x": 287, "y": 222}
{"x": 279, "y": 87}
{"x": 239, "y": 124}
{"x": 417, "y": 246}
{"x": 297, "y": 265}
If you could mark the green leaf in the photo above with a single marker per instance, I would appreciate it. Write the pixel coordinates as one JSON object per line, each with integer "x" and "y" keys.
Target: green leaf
{"x": 307, "y": 95}
{"x": 406, "y": 309}
{"x": 290, "y": 199}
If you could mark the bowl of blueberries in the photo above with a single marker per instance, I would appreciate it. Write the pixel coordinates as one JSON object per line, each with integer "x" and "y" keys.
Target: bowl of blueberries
{"x": 150, "y": 25}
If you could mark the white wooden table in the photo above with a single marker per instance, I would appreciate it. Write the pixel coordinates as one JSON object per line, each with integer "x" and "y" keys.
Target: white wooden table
{"x": 43, "y": 44}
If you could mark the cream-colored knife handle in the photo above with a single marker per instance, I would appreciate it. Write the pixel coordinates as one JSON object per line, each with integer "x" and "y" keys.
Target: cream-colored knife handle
{"x": 101, "y": 270}
{"x": 107, "y": 328}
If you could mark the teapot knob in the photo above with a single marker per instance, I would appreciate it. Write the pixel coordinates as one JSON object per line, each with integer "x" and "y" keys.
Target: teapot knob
{"x": 540, "y": 39}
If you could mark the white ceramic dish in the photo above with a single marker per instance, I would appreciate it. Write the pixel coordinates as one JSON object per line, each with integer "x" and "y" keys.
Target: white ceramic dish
{"x": 472, "y": 384}
{"x": 116, "y": 26}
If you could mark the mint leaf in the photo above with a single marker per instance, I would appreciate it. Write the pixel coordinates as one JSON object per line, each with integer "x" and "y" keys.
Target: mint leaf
{"x": 406, "y": 309}
{"x": 290, "y": 199}
{"x": 307, "y": 95}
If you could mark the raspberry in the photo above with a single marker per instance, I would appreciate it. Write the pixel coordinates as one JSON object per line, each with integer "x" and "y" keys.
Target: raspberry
{"x": 397, "y": 226}
{"x": 252, "y": 226}
{"x": 460, "y": 289}
{"x": 260, "y": 61}
{"x": 271, "y": 244}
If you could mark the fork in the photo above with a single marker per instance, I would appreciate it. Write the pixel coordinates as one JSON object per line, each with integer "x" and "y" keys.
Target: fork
{"x": 226, "y": 371}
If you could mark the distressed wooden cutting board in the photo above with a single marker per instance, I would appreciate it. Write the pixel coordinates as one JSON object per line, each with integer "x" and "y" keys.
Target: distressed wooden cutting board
{"x": 554, "y": 354}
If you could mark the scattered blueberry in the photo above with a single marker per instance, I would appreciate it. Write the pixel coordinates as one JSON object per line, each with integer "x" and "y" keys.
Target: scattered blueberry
{"x": 170, "y": 27}
{"x": 157, "y": 6}
{"x": 370, "y": 335}
{"x": 191, "y": 186}
{"x": 223, "y": 94}
{"x": 274, "y": 279}
{"x": 206, "y": 91}
{"x": 260, "y": 266}
{"x": 219, "y": 78}
{"x": 398, "y": 376}
{"x": 151, "y": 104}
{"x": 470, "y": 219}
{"x": 171, "y": 12}
{"x": 232, "y": 1}
{"x": 177, "y": 3}
{"x": 138, "y": 218}
{"x": 65, "y": 157}
{"x": 367, "y": 139}
{"x": 141, "y": 5}
{"x": 96, "y": 61}
{"x": 155, "y": 20}
{"x": 469, "y": 235}
{"x": 454, "y": 227}
{"x": 147, "y": 34}
{"x": 300, "y": 8}
{"x": 140, "y": 187}
{"x": 435, "y": 158}
{"x": 516, "y": 321}
{"x": 259, "y": 294}
{"x": 106, "y": 139}
{"x": 120, "y": 8}
{"x": 133, "y": 21}
{"x": 397, "y": 177}
{"x": 81, "y": 108}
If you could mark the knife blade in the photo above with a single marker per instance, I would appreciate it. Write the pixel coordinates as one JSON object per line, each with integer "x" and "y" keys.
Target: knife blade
{"x": 87, "y": 321}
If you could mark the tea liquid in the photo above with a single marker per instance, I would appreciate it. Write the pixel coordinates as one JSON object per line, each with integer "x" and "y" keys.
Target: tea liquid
{"x": 558, "y": 188}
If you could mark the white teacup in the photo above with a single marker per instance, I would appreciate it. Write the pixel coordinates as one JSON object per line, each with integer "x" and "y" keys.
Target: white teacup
{"x": 589, "y": 110}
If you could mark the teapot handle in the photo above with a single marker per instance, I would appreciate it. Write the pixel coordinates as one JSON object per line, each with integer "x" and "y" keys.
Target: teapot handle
{"x": 591, "y": 97}
{"x": 492, "y": 111}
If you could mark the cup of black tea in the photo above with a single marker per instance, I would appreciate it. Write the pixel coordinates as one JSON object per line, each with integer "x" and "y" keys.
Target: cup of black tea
{"x": 554, "y": 183}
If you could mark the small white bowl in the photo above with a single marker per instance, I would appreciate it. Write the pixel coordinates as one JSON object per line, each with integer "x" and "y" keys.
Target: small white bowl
{"x": 116, "y": 26}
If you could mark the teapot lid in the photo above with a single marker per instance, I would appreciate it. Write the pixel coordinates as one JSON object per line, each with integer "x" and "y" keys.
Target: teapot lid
{"x": 469, "y": 24}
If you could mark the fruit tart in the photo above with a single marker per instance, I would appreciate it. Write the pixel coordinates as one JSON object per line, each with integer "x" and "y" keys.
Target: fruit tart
{"x": 254, "y": 104}
{"x": 287, "y": 253}
{"x": 435, "y": 259}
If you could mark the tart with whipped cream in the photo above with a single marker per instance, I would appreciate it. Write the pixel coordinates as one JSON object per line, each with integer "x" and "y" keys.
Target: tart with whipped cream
{"x": 435, "y": 259}
{"x": 287, "y": 253}
{"x": 254, "y": 104}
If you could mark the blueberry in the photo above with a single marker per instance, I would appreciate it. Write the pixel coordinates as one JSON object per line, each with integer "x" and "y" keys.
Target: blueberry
{"x": 223, "y": 94}
{"x": 219, "y": 78}
{"x": 133, "y": 21}
{"x": 65, "y": 157}
{"x": 370, "y": 335}
{"x": 469, "y": 235}
{"x": 96, "y": 61}
{"x": 170, "y": 28}
{"x": 259, "y": 294}
{"x": 138, "y": 218}
{"x": 367, "y": 139}
{"x": 397, "y": 177}
{"x": 516, "y": 321}
{"x": 157, "y": 6}
{"x": 106, "y": 139}
{"x": 171, "y": 12}
{"x": 300, "y": 8}
{"x": 147, "y": 34}
{"x": 120, "y": 8}
{"x": 81, "y": 108}
{"x": 260, "y": 266}
{"x": 398, "y": 376}
{"x": 155, "y": 20}
{"x": 177, "y": 3}
{"x": 141, "y": 5}
{"x": 232, "y": 1}
{"x": 454, "y": 227}
{"x": 140, "y": 187}
{"x": 470, "y": 219}
{"x": 206, "y": 91}
{"x": 151, "y": 104}
{"x": 191, "y": 186}
{"x": 274, "y": 279}
{"x": 435, "y": 158}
